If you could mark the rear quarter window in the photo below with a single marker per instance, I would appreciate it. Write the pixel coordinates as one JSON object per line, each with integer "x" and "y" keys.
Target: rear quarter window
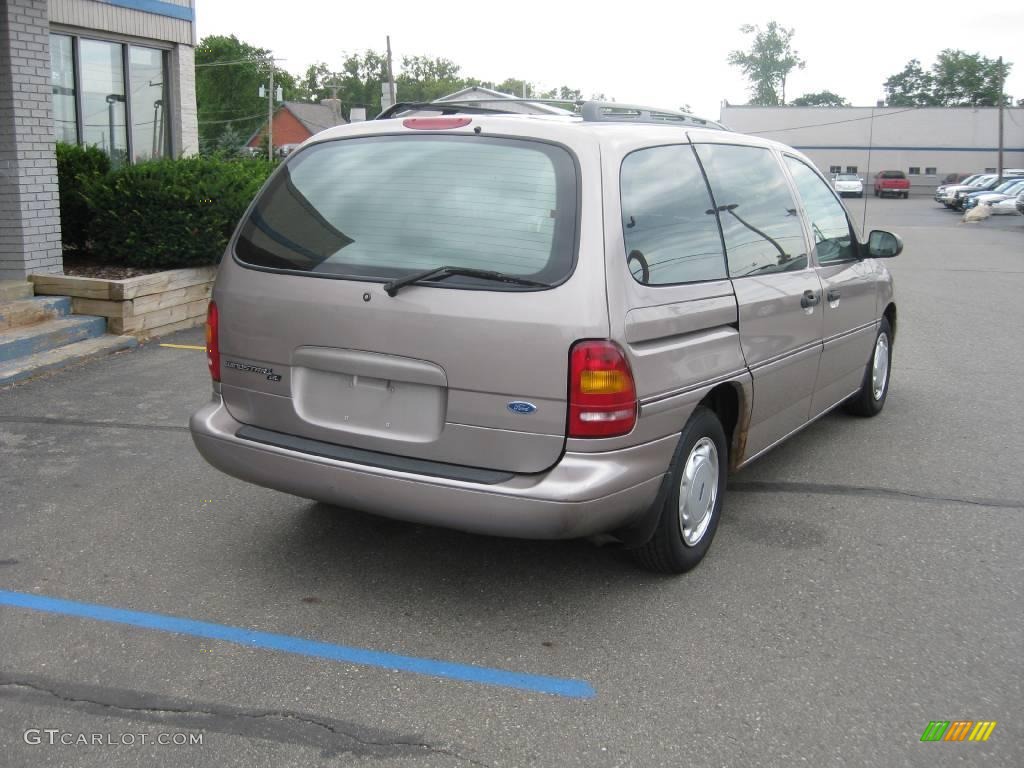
{"x": 379, "y": 207}
{"x": 670, "y": 231}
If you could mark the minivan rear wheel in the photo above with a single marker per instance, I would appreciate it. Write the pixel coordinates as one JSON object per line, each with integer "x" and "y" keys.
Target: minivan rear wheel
{"x": 693, "y": 506}
{"x": 874, "y": 388}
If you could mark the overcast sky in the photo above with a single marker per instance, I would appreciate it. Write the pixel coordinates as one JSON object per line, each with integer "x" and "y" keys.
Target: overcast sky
{"x": 639, "y": 51}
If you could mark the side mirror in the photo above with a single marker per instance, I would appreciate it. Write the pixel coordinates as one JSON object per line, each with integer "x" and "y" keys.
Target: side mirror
{"x": 884, "y": 245}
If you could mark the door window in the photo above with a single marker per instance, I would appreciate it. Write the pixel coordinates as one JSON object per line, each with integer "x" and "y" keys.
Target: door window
{"x": 670, "y": 236}
{"x": 756, "y": 209}
{"x": 833, "y": 240}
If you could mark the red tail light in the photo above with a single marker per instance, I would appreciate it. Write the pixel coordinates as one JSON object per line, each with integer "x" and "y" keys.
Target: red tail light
{"x": 436, "y": 123}
{"x": 602, "y": 394}
{"x": 213, "y": 341}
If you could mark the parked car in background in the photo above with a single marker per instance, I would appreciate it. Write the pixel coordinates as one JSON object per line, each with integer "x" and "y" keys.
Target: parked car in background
{"x": 1008, "y": 189}
{"x": 995, "y": 182}
{"x": 1020, "y": 203}
{"x": 848, "y": 184}
{"x": 951, "y": 192}
{"x": 940, "y": 190}
{"x": 1007, "y": 207}
{"x": 893, "y": 183}
{"x": 463, "y": 320}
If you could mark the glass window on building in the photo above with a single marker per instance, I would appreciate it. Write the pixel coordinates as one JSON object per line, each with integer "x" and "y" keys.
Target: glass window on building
{"x": 103, "y": 99}
{"x": 834, "y": 169}
{"x": 914, "y": 170}
{"x": 931, "y": 170}
{"x": 146, "y": 73}
{"x": 62, "y": 65}
{"x": 96, "y": 102}
{"x": 851, "y": 169}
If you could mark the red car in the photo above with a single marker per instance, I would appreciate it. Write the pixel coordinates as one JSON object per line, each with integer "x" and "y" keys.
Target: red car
{"x": 892, "y": 183}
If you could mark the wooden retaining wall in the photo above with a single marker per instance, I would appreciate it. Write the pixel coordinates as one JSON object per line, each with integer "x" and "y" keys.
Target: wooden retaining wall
{"x": 145, "y": 306}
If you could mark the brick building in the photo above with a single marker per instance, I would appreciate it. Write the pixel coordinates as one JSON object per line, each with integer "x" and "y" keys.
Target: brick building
{"x": 295, "y": 121}
{"x": 117, "y": 74}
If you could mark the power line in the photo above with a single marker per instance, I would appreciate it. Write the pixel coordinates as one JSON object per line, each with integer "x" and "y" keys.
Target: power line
{"x": 836, "y": 122}
{"x": 231, "y": 63}
{"x": 235, "y": 120}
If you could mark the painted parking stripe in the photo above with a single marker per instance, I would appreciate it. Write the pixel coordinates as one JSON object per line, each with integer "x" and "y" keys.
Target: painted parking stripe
{"x": 182, "y": 346}
{"x": 569, "y": 688}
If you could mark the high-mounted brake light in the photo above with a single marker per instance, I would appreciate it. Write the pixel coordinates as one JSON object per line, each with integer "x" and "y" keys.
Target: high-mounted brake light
{"x": 213, "y": 341}
{"x": 602, "y": 394}
{"x": 436, "y": 123}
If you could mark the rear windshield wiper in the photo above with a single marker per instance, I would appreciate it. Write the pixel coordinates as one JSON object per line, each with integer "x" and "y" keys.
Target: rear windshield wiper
{"x": 392, "y": 287}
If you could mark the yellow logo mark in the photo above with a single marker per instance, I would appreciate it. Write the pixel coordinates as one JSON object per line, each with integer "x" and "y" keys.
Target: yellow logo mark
{"x": 982, "y": 730}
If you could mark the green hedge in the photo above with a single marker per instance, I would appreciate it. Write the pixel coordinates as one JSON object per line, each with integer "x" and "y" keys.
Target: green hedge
{"x": 76, "y": 168}
{"x": 170, "y": 213}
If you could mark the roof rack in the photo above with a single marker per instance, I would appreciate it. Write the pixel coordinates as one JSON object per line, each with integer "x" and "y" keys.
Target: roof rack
{"x": 613, "y": 112}
{"x": 590, "y": 111}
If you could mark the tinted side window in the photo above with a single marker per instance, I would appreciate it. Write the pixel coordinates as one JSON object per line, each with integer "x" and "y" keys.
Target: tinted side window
{"x": 759, "y": 218}
{"x": 829, "y": 225}
{"x": 670, "y": 236}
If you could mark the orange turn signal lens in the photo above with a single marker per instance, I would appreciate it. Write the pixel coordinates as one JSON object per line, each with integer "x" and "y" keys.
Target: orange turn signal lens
{"x": 604, "y": 382}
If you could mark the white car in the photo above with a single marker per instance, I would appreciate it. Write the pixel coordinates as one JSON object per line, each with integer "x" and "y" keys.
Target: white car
{"x": 848, "y": 184}
{"x": 1007, "y": 207}
{"x": 1010, "y": 189}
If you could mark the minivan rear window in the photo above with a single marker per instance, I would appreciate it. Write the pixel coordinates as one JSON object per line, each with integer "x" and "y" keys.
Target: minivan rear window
{"x": 380, "y": 207}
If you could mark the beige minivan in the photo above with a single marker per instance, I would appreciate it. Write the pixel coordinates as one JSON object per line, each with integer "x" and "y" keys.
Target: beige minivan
{"x": 543, "y": 326}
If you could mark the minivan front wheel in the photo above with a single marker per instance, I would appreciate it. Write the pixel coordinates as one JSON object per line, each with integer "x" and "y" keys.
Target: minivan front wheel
{"x": 874, "y": 388}
{"x": 693, "y": 506}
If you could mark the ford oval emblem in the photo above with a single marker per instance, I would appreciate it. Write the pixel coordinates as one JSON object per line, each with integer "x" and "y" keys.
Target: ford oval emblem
{"x": 521, "y": 406}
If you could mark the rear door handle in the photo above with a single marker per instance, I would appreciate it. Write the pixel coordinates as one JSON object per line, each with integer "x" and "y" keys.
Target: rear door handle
{"x": 833, "y": 295}
{"x": 809, "y": 299}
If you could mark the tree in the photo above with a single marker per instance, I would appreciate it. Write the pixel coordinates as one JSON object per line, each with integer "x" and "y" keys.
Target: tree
{"x": 312, "y": 85}
{"x": 768, "y": 62}
{"x": 820, "y": 99}
{"x": 229, "y": 74}
{"x": 968, "y": 79}
{"x": 913, "y": 87}
{"x": 957, "y": 79}
{"x": 425, "y": 79}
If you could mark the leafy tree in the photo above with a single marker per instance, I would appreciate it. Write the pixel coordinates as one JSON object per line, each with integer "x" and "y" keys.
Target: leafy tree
{"x": 425, "y": 79}
{"x": 913, "y": 87}
{"x": 229, "y": 74}
{"x": 768, "y": 62}
{"x": 820, "y": 99}
{"x": 956, "y": 79}
{"x": 968, "y": 79}
{"x": 312, "y": 84}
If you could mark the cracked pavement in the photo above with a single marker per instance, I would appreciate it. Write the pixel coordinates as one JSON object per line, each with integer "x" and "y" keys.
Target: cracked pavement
{"x": 866, "y": 579}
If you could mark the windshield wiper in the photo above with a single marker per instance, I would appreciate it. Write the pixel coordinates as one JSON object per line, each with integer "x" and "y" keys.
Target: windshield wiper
{"x": 392, "y": 287}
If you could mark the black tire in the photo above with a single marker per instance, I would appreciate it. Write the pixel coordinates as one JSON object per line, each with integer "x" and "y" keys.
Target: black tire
{"x": 864, "y": 402}
{"x": 667, "y": 552}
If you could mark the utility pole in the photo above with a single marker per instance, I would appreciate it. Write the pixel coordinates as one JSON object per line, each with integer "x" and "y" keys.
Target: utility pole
{"x": 391, "y": 76}
{"x": 270, "y": 112}
{"x": 999, "y": 167}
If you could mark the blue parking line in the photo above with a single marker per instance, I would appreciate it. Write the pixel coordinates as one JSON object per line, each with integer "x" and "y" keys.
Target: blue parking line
{"x": 573, "y": 689}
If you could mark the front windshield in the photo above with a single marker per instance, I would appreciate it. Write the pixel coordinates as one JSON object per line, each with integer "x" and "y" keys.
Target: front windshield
{"x": 847, "y": 177}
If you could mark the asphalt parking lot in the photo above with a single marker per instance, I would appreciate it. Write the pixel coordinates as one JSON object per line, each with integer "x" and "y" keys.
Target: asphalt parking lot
{"x": 866, "y": 579}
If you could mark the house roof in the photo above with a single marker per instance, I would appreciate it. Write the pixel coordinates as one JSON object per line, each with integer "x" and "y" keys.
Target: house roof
{"x": 479, "y": 93}
{"x": 315, "y": 117}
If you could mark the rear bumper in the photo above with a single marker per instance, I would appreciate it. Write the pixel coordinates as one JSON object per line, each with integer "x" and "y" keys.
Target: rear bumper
{"x": 584, "y": 494}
